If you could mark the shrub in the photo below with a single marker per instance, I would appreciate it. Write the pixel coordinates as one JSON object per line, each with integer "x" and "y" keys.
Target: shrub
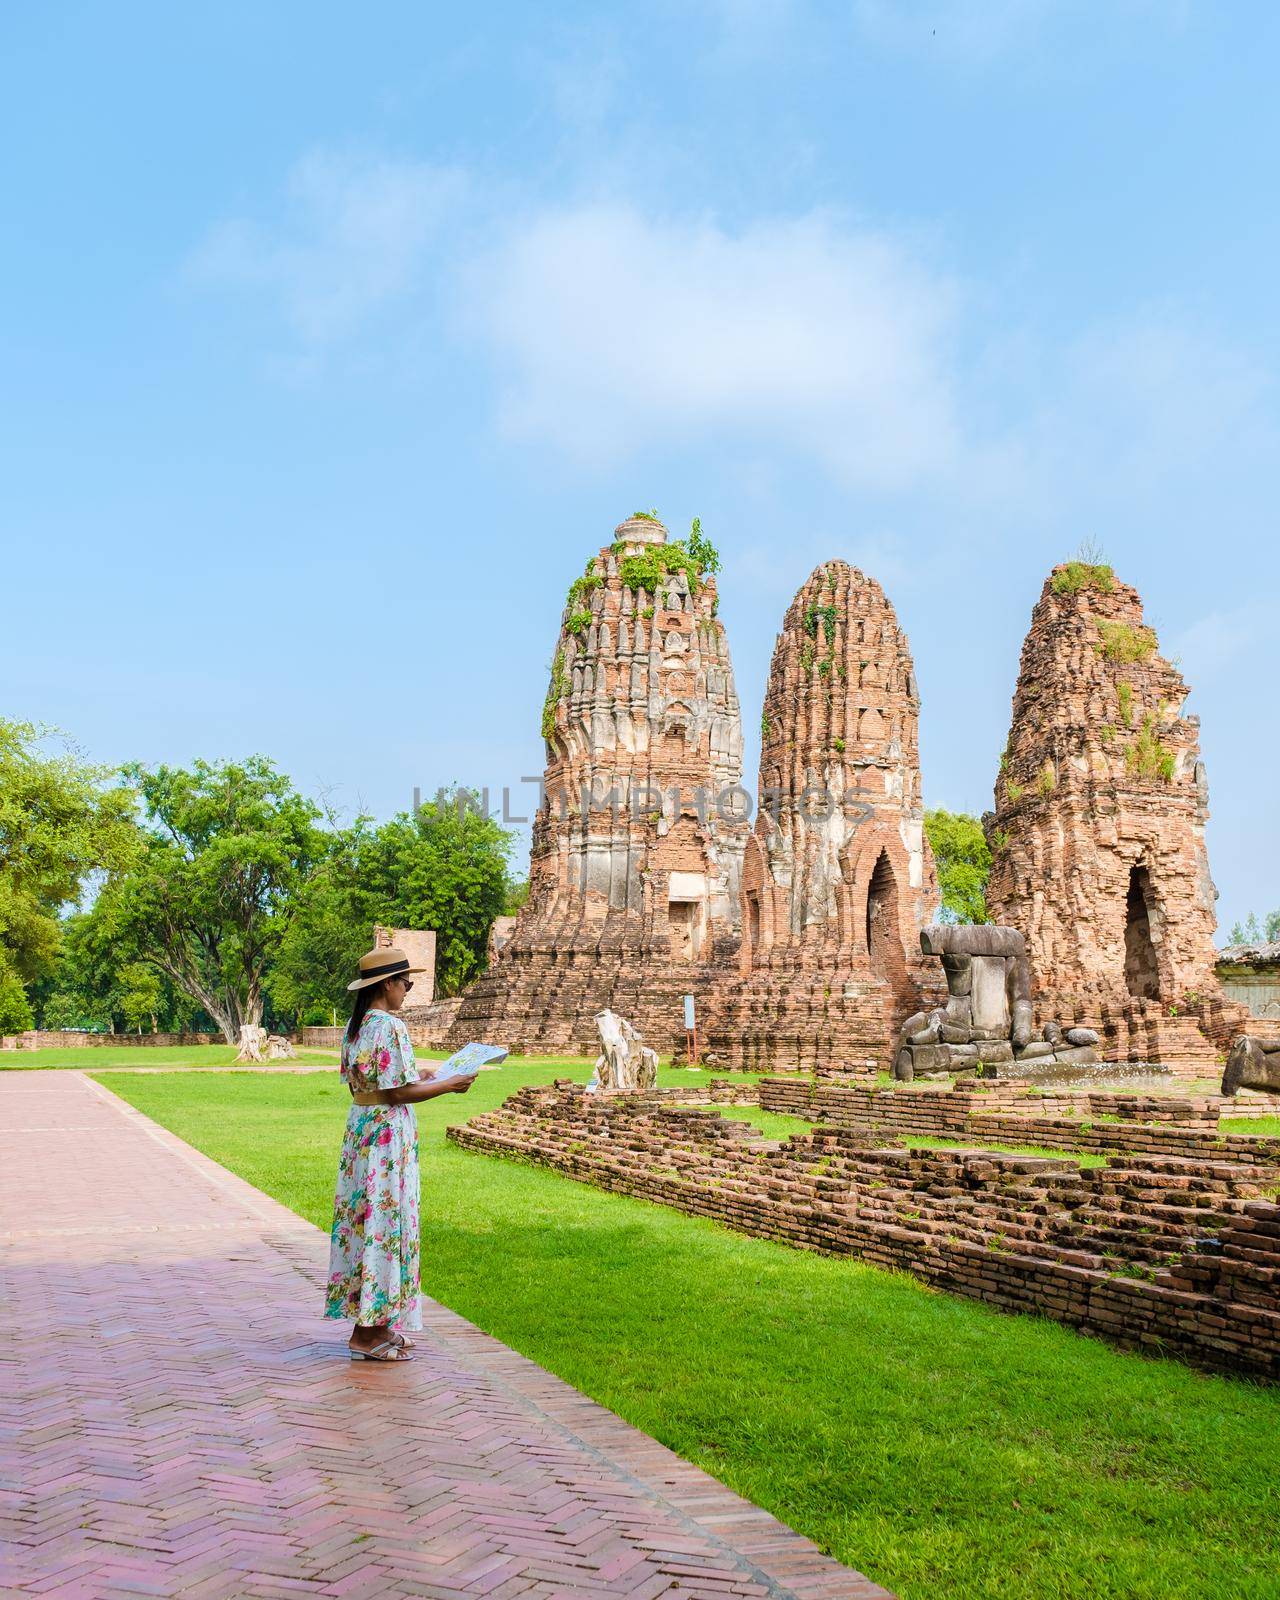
{"x": 1013, "y": 792}
{"x": 1123, "y": 642}
{"x": 701, "y": 548}
{"x": 1124, "y": 693}
{"x": 648, "y": 567}
{"x": 1147, "y": 757}
{"x": 581, "y": 587}
{"x": 1047, "y": 782}
{"x": 1078, "y": 575}
{"x": 579, "y": 622}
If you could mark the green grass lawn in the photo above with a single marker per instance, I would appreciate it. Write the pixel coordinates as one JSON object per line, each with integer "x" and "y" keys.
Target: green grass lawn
{"x": 93, "y": 1058}
{"x": 1269, "y": 1126}
{"x": 946, "y": 1450}
{"x": 1082, "y": 1158}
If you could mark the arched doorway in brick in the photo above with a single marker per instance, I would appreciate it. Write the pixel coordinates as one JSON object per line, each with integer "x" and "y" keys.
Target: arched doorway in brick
{"x": 883, "y": 944}
{"x": 1141, "y": 967}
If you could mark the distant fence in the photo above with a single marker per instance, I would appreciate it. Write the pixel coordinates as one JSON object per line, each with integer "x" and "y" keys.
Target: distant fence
{"x": 428, "y": 1026}
{"x": 61, "y": 1039}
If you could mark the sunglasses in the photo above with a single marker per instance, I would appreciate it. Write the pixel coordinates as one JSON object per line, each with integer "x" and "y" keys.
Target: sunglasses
{"x": 406, "y": 982}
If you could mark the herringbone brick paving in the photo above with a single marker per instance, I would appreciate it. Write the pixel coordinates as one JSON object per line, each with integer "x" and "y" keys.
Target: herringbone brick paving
{"x": 177, "y": 1420}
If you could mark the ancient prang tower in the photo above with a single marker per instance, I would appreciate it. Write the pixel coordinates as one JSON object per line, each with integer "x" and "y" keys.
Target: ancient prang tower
{"x": 637, "y": 845}
{"x": 838, "y": 878}
{"x": 1098, "y": 834}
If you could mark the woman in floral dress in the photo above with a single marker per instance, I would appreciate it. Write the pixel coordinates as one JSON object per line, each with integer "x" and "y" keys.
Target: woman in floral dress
{"x": 373, "y": 1249}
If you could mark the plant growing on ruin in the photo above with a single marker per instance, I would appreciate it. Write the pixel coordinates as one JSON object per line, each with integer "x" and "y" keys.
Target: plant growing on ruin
{"x": 1013, "y": 792}
{"x": 1047, "y": 782}
{"x": 554, "y": 691}
{"x": 1147, "y": 756}
{"x": 578, "y": 623}
{"x": 1107, "y": 732}
{"x": 1079, "y": 575}
{"x": 765, "y": 724}
{"x": 701, "y": 549}
{"x": 814, "y": 614}
{"x": 1124, "y": 642}
{"x": 806, "y": 656}
{"x": 646, "y": 516}
{"x": 582, "y": 587}
{"x": 1124, "y": 695}
{"x": 838, "y": 746}
{"x": 999, "y": 839}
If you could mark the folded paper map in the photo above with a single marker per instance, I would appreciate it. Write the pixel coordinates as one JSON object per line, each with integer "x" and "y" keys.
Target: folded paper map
{"x": 465, "y": 1063}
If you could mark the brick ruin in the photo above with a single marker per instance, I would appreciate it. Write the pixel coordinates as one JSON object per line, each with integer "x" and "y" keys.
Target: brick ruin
{"x": 637, "y": 845}
{"x": 837, "y": 878}
{"x": 1171, "y": 1246}
{"x": 1098, "y": 834}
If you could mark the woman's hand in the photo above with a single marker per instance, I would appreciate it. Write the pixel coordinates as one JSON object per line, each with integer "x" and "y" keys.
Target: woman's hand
{"x": 461, "y": 1085}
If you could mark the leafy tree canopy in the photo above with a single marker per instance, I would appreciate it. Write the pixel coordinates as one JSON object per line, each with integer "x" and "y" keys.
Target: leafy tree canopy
{"x": 59, "y": 825}
{"x": 1251, "y": 931}
{"x": 444, "y": 868}
{"x": 227, "y": 849}
{"x": 98, "y": 986}
{"x": 963, "y": 859}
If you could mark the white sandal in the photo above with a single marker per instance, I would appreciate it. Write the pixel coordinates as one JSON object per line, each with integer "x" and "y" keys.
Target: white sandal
{"x": 376, "y": 1352}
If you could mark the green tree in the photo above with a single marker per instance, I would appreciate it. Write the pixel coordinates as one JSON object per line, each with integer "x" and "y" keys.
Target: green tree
{"x": 1250, "y": 931}
{"x": 446, "y": 868}
{"x": 963, "y": 859}
{"x": 99, "y": 985}
{"x": 60, "y": 824}
{"x": 227, "y": 849}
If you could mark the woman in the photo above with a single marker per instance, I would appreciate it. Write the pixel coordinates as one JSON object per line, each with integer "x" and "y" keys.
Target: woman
{"x": 373, "y": 1250}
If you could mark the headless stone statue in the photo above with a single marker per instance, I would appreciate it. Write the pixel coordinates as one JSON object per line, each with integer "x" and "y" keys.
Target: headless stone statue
{"x": 624, "y": 1063}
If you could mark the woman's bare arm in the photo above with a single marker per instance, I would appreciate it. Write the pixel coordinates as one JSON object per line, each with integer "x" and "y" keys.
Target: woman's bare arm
{"x": 411, "y": 1093}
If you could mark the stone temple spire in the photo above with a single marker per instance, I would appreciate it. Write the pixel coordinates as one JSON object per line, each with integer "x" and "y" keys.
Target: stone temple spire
{"x": 838, "y": 878}
{"x": 637, "y": 845}
{"x": 1098, "y": 834}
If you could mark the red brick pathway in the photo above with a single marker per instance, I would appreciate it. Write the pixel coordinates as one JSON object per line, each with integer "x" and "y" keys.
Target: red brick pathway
{"x": 184, "y": 1423}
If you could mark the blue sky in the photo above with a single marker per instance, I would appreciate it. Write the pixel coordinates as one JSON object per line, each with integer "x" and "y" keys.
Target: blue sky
{"x": 334, "y": 341}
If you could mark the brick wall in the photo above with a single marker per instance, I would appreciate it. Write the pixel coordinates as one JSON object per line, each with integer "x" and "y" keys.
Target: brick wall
{"x": 56, "y": 1039}
{"x": 1160, "y": 1252}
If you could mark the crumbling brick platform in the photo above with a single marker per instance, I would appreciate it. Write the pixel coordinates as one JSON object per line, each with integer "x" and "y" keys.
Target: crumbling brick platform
{"x": 1173, "y": 1246}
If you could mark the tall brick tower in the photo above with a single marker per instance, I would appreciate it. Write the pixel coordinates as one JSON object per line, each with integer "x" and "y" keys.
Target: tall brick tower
{"x": 838, "y": 878}
{"x": 637, "y": 846}
{"x": 1098, "y": 834}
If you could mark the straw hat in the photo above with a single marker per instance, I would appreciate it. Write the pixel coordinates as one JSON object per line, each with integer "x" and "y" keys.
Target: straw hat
{"x": 382, "y": 963}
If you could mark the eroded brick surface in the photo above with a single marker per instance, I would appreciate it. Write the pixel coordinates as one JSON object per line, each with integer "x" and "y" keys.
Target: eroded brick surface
{"x": 1098, "y": 836}
{"x": 838, "y": 878}
{"x": 1173, "y": 1245}
{"x": 637, "y": 851}
{"x": 177, "y": 1420}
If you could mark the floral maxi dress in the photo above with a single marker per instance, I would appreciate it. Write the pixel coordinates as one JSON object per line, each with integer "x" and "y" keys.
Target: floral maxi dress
{"x": 373, "y": 1249}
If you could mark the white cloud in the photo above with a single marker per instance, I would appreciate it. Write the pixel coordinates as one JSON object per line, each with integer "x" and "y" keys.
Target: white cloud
{"x": 783, "y": 343}
{"x": 612, "y": 331}
{"x": 352, "y": 237}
